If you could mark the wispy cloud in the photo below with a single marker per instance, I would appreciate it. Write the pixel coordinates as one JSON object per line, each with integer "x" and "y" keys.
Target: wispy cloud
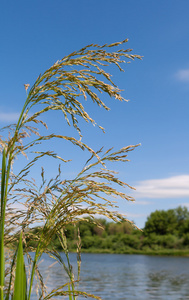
{"x": 17, "y": 206}
{"x": 8, "y": 117}
{"x": 183, "y": 75}
{"x": 133, "y": 215}
{"x": 172, "y": 187}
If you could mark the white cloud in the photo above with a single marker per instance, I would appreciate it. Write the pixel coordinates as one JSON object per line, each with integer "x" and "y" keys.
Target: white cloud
{"x": 183, "y": 75}
{"x": 138, "y": 201}
{"x": 172, "y": 187}
{"x": 186, "y": 204}
{"x": 17, "y": 206}
{"x": 133, "y": 215}
{"x": 9, "y": 117}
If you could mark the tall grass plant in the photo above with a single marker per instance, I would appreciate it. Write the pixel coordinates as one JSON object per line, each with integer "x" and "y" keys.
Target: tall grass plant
{"x": 57, "y": 203}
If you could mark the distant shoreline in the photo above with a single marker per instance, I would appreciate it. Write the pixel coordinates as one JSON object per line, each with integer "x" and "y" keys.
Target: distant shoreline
{"x": 163, "y": 252}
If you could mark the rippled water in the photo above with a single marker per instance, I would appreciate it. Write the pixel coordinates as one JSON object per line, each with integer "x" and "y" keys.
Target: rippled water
{"x": 119, "y": 276}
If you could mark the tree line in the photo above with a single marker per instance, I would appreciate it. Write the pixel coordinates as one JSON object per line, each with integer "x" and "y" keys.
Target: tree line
{"x": 163, "y": 230}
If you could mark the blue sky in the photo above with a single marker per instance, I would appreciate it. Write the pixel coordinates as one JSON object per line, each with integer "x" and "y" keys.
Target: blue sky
{"x": 35, "y": 34}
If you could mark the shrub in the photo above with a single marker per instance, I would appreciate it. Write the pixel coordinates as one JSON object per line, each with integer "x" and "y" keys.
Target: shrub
{"x": 132, "y": 241}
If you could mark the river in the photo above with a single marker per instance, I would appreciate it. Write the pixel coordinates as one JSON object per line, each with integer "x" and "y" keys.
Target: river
{"x": 120, "y": 277}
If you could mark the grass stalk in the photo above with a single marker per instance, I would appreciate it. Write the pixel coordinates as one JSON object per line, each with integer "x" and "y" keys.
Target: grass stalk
{"x": 36, "y": 257}
{"x": 2, "y": 256}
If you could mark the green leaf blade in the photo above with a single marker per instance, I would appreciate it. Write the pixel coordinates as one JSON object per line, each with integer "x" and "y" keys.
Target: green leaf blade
{"x": 20, "y": 285}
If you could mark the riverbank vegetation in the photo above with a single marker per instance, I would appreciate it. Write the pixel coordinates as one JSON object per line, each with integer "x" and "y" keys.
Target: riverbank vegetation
{"x": 164, "y": 233}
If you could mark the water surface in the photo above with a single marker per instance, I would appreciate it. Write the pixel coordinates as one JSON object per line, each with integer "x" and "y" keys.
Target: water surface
{"x": 120, "y": 277}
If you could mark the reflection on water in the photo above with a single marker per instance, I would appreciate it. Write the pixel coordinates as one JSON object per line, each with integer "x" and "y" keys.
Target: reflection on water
{"x": 120, "y": 277}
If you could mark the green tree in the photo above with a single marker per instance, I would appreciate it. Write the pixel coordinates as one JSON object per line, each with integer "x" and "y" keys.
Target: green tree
{"x": 173, "y": 221}
{"x": 182, "y": 215}
{"x": 161, "y": 222}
